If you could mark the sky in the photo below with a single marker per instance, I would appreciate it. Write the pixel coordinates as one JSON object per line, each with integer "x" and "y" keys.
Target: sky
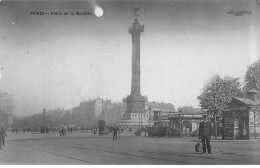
{"x": 51, "y": 61}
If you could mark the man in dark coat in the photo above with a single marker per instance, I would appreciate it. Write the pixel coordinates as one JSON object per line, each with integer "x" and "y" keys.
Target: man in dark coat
{"x": 205, "y": 131}
{"x": 115, "y": 130}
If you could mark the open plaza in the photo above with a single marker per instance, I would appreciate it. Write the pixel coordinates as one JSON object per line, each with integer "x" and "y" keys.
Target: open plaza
{"x": 79, "y": 148}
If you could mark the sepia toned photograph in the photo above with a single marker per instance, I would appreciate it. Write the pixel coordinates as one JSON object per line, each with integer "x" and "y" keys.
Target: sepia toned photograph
{"x": 129, "y": 82}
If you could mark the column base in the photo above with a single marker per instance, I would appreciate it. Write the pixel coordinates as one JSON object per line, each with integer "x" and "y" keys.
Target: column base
{"x": 135, "y": 103}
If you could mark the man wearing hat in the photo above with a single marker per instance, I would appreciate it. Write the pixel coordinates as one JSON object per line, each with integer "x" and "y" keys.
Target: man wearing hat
{"x": 205, "y": 131}
{"x": 115, "y": 131}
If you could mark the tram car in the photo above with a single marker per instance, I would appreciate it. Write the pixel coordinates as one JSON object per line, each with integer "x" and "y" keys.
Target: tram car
{"x": 157, "y": 131}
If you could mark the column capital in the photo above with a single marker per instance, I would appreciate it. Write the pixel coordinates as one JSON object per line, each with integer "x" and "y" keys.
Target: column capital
{"x": 135, "y": 30}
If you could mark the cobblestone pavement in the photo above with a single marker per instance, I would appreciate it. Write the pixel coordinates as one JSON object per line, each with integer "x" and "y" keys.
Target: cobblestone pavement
{"x": 86, "y": 148}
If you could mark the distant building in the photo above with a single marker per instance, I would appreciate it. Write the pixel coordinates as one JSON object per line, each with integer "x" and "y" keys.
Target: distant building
{"x": 158, "y": 109}
{"x": 161, "y": 106}
{"x": 6, "y": 109}
{"x": 98, "y": 107}
{"x": 153, "y": 111}
{"x": 113, "y": 112}
{"x": 84, "y": 114}
{"x": 89, "y": 112}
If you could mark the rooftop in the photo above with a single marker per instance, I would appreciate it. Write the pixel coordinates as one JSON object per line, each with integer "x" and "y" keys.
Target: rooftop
{"x": 247, "y": 101}
{"x": 252, "y": 91}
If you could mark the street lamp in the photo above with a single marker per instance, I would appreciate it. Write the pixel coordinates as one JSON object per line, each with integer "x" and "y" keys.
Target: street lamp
{"x": 254, "y": 124}
{"x": 43, "y": 120}
{"x": 258, "y": 93}
{"x": 141, "y": 121}
{"x": 259, "y": 82}
{"x": 258, "y": 87}
{"x": 150, "y": 110}
{"x": 180, "y": 123}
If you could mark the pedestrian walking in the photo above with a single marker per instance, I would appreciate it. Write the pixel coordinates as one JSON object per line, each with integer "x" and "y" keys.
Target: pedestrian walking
{"x": 115, "y": 130}
{"x": 205, "y": 131}
{"x": 65, "y": 129}
{"x": 2, "y": 137}
{"x": 61, "y": 132}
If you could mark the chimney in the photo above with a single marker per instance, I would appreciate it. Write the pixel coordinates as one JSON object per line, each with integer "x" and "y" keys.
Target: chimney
{"x": 252, "y": 94}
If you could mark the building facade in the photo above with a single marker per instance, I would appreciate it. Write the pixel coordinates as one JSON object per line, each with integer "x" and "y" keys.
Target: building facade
{"x": 84, "y": 114}
{"x": 89, "y": 112}
{"x": 6, "y": 110}
{"x": 153, "y": 113}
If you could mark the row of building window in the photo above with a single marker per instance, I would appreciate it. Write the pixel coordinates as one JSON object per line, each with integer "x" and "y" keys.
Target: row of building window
{"x": 136, "y": 115}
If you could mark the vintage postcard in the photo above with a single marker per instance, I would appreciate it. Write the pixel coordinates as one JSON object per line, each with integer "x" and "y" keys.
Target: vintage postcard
{"x": 128, "y": 82}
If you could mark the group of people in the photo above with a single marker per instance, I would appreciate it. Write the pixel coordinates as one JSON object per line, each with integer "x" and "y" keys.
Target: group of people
{"x": 2, "y": 137}
{"x": 15, "y": 130}
{"x": 205, "y": 132}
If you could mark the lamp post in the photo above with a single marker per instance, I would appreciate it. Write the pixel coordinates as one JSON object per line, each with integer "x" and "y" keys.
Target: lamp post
{"x": 258, "y": 92}
{"x": 141, "y": 122}
{"x": 150, "y": 110}
{"x": 180, "y": 123}
{"x": 43, "y": 128}
{"x": 254, "y": 124}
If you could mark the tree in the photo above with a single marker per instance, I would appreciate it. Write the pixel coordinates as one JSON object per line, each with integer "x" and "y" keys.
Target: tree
{"x": 54, "y": 118}
{"x": 251, "y": 77}
{"x": 218, "y": 93}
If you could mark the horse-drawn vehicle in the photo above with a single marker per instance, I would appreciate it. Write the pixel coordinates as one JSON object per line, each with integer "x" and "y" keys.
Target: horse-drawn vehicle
{"x": 138, "y": 132}
{"x": 103, "y": 129}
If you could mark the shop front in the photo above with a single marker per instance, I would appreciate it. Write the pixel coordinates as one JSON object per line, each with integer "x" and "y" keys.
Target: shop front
{"x": 241, "y": 119}
{"x": 186, "y": 123}
{"x": 236, "y": 124}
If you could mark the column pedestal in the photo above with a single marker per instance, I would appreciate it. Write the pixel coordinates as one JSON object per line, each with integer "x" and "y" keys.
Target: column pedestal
{"x": 135, "y": 103}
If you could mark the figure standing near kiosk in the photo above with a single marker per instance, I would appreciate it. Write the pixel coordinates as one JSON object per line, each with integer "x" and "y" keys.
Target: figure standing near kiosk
{"x": 205, "y": 131}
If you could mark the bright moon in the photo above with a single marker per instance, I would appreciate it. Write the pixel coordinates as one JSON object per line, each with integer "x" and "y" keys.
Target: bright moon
{"x": 98, "y": 11}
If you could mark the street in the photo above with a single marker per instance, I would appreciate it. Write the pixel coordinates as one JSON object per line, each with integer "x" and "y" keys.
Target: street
{"x": 86, "y": 148}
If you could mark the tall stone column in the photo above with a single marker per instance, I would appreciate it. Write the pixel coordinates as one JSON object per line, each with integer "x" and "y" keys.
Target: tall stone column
{"x": 135, "y": 101}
